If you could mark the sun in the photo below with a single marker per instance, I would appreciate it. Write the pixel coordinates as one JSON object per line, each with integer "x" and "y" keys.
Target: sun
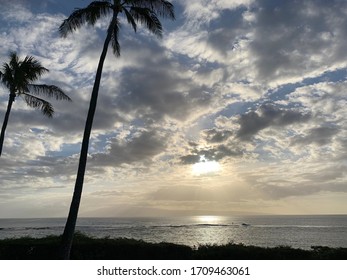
{"x": 205, "y": 167}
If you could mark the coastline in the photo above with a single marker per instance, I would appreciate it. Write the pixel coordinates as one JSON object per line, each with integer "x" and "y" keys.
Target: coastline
{"x": 89, "y": 248}
{"x": 262, "y": 231}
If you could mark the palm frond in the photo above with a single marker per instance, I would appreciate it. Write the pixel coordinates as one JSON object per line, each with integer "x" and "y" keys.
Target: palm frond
{"x": 88, "y": 15}
{"x": 162, "y": 8}
{"x": 50, "y": 91}
{"x": 31, "y": 69}
{"x": 130, "y": 19}
{"x": 8, "y": 70}
{"x": 148, "y": 18}
{"x": 6, "y": 77}
{"x": 114, "y": 29}
{"x": 18, "y": 74}
{"x": 38, "y": 103}
{"x": 14, "y": 60}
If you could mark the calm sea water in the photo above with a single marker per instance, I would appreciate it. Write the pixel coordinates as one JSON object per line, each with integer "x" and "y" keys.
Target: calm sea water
{"x": 266, "y": 231}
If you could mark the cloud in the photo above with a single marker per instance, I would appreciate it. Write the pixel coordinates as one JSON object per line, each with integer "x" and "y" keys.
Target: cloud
{"x": 141, "y": 147}
{"x": 320, "y": 135}
{"x": 212, "y": 153}
{"x": 15, "y": 11}
{"x": 293, "y": 39}
{"x": 217, "y": 136}
{"x": 157, "y": 87}
{"x": 224, "y": 39}
{"x": 301, "y": 179}
{"x": 268, "y": 43}
{"x": 265, "y": 116}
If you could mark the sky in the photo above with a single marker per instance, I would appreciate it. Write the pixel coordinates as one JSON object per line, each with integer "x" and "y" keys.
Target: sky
{"x": 241, "y": 108}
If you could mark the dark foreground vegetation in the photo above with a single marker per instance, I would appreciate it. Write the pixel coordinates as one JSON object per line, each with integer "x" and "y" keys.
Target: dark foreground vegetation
{"x": 88, "y": 248}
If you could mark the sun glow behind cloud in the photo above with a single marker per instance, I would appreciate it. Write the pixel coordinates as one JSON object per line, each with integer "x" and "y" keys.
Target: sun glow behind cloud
{"x": 205, "y": 167}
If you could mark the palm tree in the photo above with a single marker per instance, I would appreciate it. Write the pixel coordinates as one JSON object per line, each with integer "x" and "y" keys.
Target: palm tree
{"x": 17, "y": 76}
{"x": 144, "y": 12}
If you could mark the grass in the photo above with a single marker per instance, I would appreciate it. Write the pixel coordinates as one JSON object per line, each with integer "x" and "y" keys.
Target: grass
{"x": 88, "y": 248}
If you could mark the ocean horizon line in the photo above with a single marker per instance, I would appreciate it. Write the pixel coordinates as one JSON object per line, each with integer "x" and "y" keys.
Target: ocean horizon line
{"x": 181, "y": 216}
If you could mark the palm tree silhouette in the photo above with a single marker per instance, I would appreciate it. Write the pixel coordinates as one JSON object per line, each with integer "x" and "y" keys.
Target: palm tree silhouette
{"x": 144, "y": 12}
{"x": 17, "y": 76}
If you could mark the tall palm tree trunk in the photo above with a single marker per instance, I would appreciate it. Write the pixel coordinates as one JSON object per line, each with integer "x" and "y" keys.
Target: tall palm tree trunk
{"x": 7, "y": 116}
{"x": 70, "y": 225}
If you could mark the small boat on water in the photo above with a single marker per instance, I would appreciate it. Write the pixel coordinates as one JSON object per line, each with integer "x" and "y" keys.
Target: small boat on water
{"x": 245, "y": 225}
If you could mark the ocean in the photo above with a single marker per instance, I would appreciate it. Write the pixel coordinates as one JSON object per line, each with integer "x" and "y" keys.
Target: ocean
{"x": 266, "y": 231}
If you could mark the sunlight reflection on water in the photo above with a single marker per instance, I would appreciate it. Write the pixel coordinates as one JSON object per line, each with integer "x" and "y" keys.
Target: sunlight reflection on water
{"x": 266, "y": 231}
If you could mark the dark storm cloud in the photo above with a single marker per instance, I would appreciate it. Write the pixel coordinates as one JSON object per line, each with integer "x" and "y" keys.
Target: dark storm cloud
{"x": 266, "y": 116}
{"x": 320, "y": 135}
